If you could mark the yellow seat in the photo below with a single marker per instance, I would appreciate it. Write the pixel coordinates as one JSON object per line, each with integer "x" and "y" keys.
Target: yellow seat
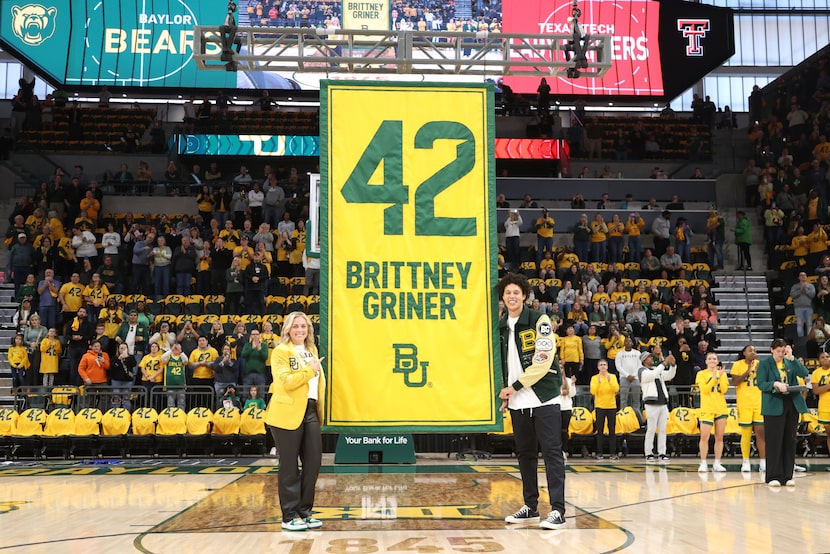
{"x": 60, "y": 422}
{"x": 172, "y": 421}
{"x": 144, "y": 421}
{"x": 252, "y": 422}
{"x": 226, "y": 421}
{"x": 115, "y": 421}
{"x": 88, "y": 422}
{"x": 8, "y": 422}
{"x": 582, "y": 421}
{"x": 199, "y": 421}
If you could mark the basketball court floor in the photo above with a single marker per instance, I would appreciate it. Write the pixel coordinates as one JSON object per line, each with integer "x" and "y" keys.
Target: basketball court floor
{"x": 437, "y": 505}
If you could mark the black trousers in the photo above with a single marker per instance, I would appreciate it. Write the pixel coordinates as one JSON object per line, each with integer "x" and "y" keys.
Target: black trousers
{"x": 744, "y": 257}
{"x": 609, "y": 415}
{"x": 305, "y": 443}
{"x": 780, "y": 435}
{"x": 534, "y": 428}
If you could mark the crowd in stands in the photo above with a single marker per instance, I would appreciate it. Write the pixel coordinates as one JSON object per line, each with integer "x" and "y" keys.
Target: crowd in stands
{"x": 786, "y": 180}
{"x": 598, "y": 306}
{"x": 616, "y": 241}
{"x": 167, "y": 286}
{"x": 428, "y": 15}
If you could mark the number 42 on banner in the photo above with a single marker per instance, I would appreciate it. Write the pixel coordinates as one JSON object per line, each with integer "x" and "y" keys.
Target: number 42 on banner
{"x": 387, "y": 146}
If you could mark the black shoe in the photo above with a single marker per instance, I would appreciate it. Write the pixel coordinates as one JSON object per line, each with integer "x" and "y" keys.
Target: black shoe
{"x": 555, "y": 520}
{"x": 525, "y": 515}
{"x": 650, "y": 459}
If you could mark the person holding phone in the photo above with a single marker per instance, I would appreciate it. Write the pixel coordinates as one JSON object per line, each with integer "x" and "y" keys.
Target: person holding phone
{"x": 713, "y": 384}
{"x": 781, "y": 406}
{"x": 93, "y": 370}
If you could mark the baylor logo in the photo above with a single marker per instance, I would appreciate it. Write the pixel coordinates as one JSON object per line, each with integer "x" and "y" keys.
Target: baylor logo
{"x": 33, "y": 23}
{"x": 406, "y": 362}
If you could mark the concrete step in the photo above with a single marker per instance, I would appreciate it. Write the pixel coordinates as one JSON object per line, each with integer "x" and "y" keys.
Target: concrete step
{"x": 740, "y": 325}
{"x": 742, "y": 305}
{"x": 741, "y": 339}
{"x": 740, "y": 280}
{"x": 760, "y": 288}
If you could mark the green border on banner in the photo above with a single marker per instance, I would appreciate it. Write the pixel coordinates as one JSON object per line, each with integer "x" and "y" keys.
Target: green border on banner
{"x": 491, "y": 242}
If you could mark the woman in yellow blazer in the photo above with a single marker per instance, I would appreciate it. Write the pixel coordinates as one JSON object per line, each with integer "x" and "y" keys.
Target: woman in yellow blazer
{"x": 294, "y": 414}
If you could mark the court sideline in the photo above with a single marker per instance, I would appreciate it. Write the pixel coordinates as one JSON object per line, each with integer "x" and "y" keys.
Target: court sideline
{"x": 437, "y": 505}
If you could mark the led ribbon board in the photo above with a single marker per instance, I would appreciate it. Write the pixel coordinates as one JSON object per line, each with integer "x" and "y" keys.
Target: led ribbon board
{"x": 408, "y": 257}
{"x": 659, "y": 48}
{"x": 248, "y": 145}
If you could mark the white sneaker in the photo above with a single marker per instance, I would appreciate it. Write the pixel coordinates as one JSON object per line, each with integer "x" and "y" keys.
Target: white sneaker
{"x": 774, "y": 483}
{"x": 745, "y": 467}
{"x": 273, "y": 451}
{"x": 702, "y": 468}
{"x": 555, "y": 520}
{"x": 790, "y": 483}
{"x": 762, "y": 467}
{"x": 717, "y": 468}
{"x": 798, "y": 468}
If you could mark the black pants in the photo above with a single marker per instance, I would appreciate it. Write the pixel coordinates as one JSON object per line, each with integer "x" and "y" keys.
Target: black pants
{"x": 780, "y": 435}
{"x": 534, "y": 428}
{"x": 513, "y": 252}
{"x": 660, "y": 245}
{"x": 296, "y": 488}
{"x": 571, "y": 369}
{"x": 254, "y": 301}
{"x": 744, "y": 258}
{"x": 609, "y": 415}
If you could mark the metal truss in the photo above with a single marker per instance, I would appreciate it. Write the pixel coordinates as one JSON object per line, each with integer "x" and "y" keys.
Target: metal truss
{"x": 231, "y": 48}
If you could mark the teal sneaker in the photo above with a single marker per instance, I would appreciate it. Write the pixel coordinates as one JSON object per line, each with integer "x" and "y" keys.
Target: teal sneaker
{"x": 296, "y": 524}
{"x": 313, "y": 523}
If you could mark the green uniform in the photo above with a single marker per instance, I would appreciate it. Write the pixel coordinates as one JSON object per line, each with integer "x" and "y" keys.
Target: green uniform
{"x": 174, "y": 373}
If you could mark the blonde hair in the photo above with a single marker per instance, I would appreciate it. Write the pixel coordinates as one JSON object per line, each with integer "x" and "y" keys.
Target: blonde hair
{"x": 285, "y": 336}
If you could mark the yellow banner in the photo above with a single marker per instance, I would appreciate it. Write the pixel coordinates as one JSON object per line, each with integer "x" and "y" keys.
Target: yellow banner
{"x": 366, "y": 15}
{"x": 408, "y": 256}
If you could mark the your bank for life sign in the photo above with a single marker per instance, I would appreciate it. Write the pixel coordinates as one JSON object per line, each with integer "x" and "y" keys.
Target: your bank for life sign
{"x": 408, "y": 256}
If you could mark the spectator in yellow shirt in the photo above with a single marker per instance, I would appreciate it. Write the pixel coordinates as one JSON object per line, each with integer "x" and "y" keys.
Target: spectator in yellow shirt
{"x": 544, "y": 235}
{"x": 570, "y": 351}
{"x": 599, "y": 234}
{"x": 633, "y": 228}
{"x": 817, "y": 245}
{"x": 613, "y": 344}
{"x": 547, "y": 267}
{"x": 615, "y": 240}
{"x": 604, "y": 388}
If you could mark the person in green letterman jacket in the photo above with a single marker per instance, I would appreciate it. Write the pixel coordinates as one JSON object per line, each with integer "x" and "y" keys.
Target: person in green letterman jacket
{"x": 135, "y": 335}
{"x": 532, "y": 379}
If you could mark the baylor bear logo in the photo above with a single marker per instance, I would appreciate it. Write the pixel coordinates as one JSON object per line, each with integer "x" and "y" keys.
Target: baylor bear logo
{"x": 33, "y": 23}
